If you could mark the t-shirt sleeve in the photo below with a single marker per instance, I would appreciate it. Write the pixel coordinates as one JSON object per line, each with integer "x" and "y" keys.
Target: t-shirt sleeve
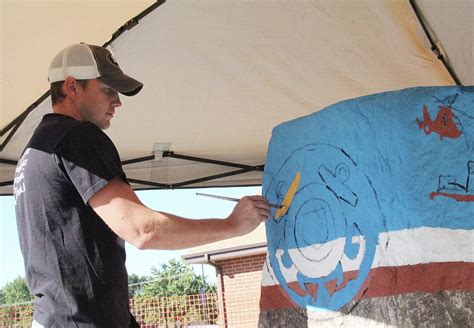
{"x": 89, "y": 159}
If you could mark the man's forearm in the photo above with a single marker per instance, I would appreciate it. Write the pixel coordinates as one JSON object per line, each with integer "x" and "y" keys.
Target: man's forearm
{"x": 119, "y": 207}
{"x": 166, "y": 231}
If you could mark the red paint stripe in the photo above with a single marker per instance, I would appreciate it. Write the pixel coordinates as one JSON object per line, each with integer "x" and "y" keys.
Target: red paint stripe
{"x": 458, "y": 197}
{"x": 386, "y": 281}
{"x": 275, "y": 298}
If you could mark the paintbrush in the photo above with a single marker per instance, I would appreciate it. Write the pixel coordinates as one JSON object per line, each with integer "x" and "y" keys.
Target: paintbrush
{"x": 231, "y": 199}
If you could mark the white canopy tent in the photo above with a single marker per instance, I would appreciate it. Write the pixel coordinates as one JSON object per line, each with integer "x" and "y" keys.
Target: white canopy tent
{"x": 219, "y": 75}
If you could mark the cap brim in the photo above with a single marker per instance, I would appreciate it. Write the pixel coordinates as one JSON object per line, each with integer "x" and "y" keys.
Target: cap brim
{"x": 122, "y": 83}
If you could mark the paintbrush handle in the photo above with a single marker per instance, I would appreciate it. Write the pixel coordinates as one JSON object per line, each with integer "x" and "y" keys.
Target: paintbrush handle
{"x": 230, "y": 199}
{"x": 218, "y": 197}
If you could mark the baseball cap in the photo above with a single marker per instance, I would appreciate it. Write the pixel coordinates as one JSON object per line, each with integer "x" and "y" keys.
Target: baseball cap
{"x": 85, "y": 62}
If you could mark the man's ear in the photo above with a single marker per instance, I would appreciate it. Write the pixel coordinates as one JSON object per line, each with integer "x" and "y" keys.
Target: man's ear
{"x": 70, "y": 87}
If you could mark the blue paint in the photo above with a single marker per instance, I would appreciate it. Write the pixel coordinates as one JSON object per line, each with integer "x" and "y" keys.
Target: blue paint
{"x": 366, "y": 168}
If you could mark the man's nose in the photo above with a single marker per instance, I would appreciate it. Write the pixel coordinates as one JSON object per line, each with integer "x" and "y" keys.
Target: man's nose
{"x": 117, "y": 101}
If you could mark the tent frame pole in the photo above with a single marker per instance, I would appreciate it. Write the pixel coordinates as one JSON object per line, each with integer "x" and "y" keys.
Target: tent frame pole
{"x": 434, "y": 46}
{"x": 242, "y": 168}
{"x": 211, "y": 161}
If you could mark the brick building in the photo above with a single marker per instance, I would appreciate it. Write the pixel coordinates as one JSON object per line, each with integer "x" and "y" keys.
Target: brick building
{"x": 238, "y": 262}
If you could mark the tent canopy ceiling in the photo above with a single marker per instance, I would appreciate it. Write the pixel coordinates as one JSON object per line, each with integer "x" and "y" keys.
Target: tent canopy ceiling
{"x": 219, "y": 75}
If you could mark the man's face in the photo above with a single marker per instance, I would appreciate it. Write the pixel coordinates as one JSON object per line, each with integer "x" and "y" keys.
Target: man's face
{"x": 97, "y": 103}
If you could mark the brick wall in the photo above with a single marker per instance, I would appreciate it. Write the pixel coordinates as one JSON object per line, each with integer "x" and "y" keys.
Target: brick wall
{"x": 241, "y": 280}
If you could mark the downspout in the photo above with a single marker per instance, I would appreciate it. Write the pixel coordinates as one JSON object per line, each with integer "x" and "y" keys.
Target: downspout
{"x": 220, "y": 287}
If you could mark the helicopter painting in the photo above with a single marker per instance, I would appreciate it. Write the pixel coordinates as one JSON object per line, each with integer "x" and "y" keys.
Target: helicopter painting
{"x": 446, "y": 123}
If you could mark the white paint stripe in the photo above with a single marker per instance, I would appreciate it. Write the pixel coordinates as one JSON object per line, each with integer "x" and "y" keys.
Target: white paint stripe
{"x": 424, "y": 245}
{"x": 405, "y": 247}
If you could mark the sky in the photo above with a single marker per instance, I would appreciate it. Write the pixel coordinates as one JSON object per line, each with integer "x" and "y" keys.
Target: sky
{"x": 182, "y": 202}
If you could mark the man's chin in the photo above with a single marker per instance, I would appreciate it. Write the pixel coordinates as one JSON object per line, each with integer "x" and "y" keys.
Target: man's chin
{"x": 103, "y": 126}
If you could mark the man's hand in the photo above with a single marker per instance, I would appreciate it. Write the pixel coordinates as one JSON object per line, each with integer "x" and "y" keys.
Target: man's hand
{"x": 249, "y": 212}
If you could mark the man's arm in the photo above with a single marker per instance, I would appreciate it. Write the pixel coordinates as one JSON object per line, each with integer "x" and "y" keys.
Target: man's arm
{"x": 119, "y": 207}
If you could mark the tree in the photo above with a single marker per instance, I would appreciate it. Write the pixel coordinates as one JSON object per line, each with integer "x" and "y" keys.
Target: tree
{"x": 176, "y": 278}
{"x": 136, "y": 288}
{"x": 17, "y": 291}
{"x": 168, "y": 291}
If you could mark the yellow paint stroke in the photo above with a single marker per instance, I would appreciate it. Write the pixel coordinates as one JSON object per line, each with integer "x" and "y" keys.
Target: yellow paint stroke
{"x": 289, "y": 196}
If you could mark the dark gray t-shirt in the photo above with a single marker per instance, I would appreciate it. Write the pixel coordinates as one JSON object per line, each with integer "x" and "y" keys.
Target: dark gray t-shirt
{"x": 74, "y": 263}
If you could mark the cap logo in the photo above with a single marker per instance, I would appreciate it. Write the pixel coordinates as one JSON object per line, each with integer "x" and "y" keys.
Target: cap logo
{"x": 112, "y": 60}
